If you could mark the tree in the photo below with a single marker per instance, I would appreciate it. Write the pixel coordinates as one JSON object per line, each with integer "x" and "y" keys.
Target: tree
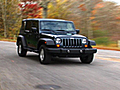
{"x": 44, "y": 5}
{"x": 86, "y": 7}
{"x": 59, "y": 9}
{"x": 3, "y": 9}
{"x": 106, "y": 17}
{"x": 40, "y": 3}
{"x": 9, "y": 12}
{"x": 30, "y": 10}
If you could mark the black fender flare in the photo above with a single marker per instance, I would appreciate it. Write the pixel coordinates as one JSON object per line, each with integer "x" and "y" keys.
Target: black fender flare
{"x": 22, "y": 39}
{"x": 92, "y": 43}
{"x": 43, "y": 40}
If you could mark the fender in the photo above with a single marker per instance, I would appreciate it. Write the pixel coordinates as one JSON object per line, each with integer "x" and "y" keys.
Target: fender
{"x": 42, "y": 40}
{"x": 49, "y": 41}
{"x": 92, "y": 42}
{"x": 22, "y": 38}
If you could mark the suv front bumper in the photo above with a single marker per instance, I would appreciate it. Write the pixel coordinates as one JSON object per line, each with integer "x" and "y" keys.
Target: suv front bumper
{"x": 71, "y": 52}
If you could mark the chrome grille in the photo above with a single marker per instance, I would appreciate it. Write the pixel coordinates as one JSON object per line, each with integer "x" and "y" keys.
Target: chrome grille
{"x": 75, "y": 42}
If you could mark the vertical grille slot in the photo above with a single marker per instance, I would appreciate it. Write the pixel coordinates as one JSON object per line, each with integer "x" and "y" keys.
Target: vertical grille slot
{"x": 64, "y": 42}
{"x": 71, "y": 42}
{"x": 67, "y": 42}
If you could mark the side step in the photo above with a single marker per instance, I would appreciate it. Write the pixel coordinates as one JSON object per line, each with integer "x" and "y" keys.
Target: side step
{"x": 31, "y": 50}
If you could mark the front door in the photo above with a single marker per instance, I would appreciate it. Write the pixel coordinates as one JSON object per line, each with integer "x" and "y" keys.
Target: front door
{"x": 35, "y": 33}
{"x": 28, "y": 32}
{"x": 32, "y": 36}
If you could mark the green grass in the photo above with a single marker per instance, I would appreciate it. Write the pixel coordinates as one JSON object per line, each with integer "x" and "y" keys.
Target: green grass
{"x": 103, "y": 41}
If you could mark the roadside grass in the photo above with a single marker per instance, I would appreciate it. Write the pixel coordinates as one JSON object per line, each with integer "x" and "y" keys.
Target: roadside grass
{"x": 106, "y": 44}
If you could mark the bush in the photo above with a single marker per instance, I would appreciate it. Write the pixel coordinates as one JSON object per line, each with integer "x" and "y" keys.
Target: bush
{"x": 99, "y": 33}
{"x": 102, "y": 41}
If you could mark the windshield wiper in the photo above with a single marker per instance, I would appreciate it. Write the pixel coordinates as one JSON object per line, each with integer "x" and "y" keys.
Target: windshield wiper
{"x": 65, "y": 31}
{"x": 60, "y": 30}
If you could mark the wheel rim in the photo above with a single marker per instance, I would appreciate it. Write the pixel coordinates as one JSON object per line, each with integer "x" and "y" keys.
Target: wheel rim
{"x": 20, "y": 49}
{"x": 42, "y": 55}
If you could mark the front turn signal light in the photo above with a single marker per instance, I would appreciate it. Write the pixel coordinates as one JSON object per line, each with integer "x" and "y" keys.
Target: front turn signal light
{"x": 58, "y": 45}
{"x": 86, "y": 45}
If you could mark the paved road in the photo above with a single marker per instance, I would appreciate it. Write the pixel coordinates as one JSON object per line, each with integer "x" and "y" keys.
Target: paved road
{"x": 25, "y": 73}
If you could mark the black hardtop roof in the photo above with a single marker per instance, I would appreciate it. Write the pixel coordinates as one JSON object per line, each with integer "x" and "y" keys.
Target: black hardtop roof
{"x": 42, "y": 19}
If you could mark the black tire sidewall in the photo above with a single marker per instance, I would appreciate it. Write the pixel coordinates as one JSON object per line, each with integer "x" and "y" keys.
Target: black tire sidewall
{"x": 46, "y": 55}
{"x": 87, "y": 59}
{"x": 23, "y": 51}
{"x": 42, "y": 47}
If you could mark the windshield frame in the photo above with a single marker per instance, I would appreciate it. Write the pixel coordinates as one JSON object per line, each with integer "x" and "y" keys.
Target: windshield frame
{"x": 58, "y": 21}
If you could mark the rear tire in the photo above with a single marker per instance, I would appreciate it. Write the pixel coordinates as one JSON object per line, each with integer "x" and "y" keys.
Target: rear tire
{"x": 20, "y": 50}
{"x": 87, "y": 59}
{"x": 44, "y": 57}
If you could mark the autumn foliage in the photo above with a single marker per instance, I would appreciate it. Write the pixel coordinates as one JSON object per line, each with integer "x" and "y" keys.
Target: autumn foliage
{"x": 94, "y": 18}
{"x": 31, "y": 10}
{"x": 82, "y": 7}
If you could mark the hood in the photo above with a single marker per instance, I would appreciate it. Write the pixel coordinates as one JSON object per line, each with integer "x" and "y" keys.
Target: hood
{"x": 64, "y": 36}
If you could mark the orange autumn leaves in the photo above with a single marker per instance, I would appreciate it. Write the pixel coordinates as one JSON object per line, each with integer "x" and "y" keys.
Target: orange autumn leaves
{"x": 31, "y": 10}
{"x": 83, "y": 7}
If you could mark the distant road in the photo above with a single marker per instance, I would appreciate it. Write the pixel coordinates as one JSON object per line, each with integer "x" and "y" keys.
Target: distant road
{"x": 26, "y": 73}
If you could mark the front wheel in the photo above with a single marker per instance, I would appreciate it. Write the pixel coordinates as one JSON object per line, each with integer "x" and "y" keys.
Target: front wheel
{"x": 87, "y": 59}
{"x": 20, "y": 50}
{"x": 44, "y": 57}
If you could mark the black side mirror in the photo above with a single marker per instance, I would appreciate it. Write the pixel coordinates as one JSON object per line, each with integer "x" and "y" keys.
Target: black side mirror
{"x": 77, "y": 31}
{"x": 34, "y": 29}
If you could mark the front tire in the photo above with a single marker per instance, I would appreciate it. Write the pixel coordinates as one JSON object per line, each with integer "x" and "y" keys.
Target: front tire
{"x": 87, "y": 59}
{"x": 44, "y": 57}
{"x": 20, "y": 50}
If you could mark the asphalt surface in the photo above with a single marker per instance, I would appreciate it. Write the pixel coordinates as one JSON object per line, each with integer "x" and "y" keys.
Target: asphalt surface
{"x": 26, "y": 73}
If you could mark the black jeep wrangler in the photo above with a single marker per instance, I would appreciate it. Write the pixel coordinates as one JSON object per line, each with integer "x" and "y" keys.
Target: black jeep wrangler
{"x": 54, "y": 37}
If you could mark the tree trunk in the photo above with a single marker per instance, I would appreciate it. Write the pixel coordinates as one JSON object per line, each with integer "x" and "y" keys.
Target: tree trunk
{"x": 45, "y": 12}
{"x": 44, "y": 5}
{"x": 90, "y": 31}
{"x": 4, "y": 16}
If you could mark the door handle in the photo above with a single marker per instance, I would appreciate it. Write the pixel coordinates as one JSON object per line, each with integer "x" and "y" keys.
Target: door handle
{"x": 27, "y": 31}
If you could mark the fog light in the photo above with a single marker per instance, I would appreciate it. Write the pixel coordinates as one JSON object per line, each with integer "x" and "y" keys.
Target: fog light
{"x": 68, "y": 51}
{"x": 81, "y": 51}
{"x": 58, "y": 45}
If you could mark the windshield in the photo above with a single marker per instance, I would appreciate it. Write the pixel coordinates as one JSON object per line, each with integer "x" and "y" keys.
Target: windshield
{"x": 57, "y": 25}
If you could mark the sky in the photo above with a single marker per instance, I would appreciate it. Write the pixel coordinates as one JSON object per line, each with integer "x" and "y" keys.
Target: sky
{"x": 117, "y": 1}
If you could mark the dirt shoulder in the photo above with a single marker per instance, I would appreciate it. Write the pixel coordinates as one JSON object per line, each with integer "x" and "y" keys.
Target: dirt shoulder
{"x": 107, "y": 48}
{"x": 8, "y": 40}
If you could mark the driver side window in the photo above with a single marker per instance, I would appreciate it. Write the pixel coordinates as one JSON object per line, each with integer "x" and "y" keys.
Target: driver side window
{"x": 28, "y": 25}
{"x": 34, "y": 24}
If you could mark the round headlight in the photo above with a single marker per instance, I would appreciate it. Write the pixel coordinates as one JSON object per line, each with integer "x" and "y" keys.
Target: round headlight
{"x": 84, "y": 41}
{"x": 58, "y": 40}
